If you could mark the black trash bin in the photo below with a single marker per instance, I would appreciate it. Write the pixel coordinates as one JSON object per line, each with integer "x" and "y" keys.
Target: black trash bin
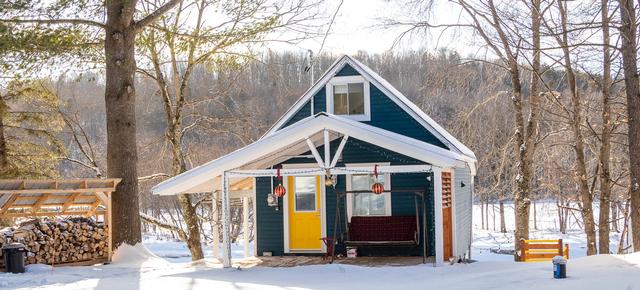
{"x": 13, "y": 257}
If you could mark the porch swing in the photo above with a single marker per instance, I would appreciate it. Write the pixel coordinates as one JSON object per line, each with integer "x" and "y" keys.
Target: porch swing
{"x": 382, "y": 231}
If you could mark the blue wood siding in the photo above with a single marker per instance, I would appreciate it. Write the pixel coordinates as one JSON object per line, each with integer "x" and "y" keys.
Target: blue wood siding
{"x": 385, "y": 113}
{"x": 463, "y": 210}
{"x": 347, "y": 70}
{"x": 270, "y": 230}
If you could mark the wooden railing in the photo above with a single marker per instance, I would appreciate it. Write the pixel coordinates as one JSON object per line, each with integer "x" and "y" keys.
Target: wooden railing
{"x": 542, "y": 250}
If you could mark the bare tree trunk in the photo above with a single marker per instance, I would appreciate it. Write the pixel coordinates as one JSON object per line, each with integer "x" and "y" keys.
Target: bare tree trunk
{"x": 503, "y": 226}
{"x": 576, "y": 123}
{"x": 482, "y": 212}
{"x": 525, "y": 135}
{"x": 493, "y": 217}
{"x": 535, "y": 216}
{"x": 614, "y": 216}
{"x": 120, "y": 102}
{"x": 604, "y": 222}
{"x": 632, "y": 88}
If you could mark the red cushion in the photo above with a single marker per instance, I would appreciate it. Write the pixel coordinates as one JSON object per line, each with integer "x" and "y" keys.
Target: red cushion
{"x": 382, "y": 228}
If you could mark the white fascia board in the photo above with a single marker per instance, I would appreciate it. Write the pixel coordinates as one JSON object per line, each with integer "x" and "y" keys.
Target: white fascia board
{"x": 201, "y": 174}
{"x": 390, "y": 90}
{"x": 308, "y": 95}
{"x": 298, "y": 132}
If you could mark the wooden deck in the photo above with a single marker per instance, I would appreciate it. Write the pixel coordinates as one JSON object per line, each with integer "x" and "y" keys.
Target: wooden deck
{"x": 293, "y": 261}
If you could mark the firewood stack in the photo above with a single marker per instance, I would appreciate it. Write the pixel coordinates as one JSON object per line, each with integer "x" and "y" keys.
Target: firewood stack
{"x": 58, "y": 241}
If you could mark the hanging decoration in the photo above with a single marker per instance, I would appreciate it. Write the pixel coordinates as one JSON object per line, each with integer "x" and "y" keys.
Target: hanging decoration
{"x": 377, "y": 187}
{"x": 279, "y": 190}
{"x": 330, "y": 179}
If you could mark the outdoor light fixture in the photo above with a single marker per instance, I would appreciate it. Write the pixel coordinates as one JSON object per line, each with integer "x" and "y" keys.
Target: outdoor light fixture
{"x": 330, "y": 179}
{"x": 462, "y": 184}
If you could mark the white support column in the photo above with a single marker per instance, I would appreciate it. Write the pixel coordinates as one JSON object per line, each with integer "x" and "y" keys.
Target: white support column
{"x": 327, "y": 150}
{"x": 215, "y": 232}
{"x": 226, "y": 223}
{"x": 437, "y": 201}
{"x": 245, "y": 225}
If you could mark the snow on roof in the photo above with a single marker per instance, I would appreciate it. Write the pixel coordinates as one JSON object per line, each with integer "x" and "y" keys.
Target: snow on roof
{"x": 390, "y": 91}
{"x": 206, "y": 177}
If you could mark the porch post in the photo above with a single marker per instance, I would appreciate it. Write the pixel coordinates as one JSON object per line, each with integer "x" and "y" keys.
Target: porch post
{"x": 245, "y": 225}
{"x": 215, "y": 222}
{"x": 226, "y": 227}
{"x": 437, "y": 201}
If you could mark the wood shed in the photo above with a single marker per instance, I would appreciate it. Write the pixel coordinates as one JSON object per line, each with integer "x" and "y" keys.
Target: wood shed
{"x": 25, "y": 199}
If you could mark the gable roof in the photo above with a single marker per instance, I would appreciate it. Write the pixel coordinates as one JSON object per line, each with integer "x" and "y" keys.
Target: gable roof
{"x": 292, "y": 140}
{"x": 391, "y": 92}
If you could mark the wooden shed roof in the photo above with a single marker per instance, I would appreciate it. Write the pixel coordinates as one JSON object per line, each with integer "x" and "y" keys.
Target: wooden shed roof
{"x": 54, "y": 197}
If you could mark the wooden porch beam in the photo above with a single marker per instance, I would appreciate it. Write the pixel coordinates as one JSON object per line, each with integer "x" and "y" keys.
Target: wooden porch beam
{"x": 70, "y": 201}
{"x": 45, "y": 190}
{"x": 339, "y": 151}
{"x": 315, "y": 153}
{"x": 311, "y": 171}
{"x": 48, "y": 214}
{"x": 9, "y": 203}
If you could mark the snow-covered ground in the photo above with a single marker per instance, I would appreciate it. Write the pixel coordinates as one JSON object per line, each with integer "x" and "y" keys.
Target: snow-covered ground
{"x": 161, "y": 264}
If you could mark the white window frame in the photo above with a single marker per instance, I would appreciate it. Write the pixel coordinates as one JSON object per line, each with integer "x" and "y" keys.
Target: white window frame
{"x": 315, "y": 194}
{"x": 345, "y": 81}
{"x": 387, "y": 187}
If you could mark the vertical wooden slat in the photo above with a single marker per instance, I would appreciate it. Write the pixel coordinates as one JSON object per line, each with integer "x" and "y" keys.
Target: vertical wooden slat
{"x": 560, "y": 248}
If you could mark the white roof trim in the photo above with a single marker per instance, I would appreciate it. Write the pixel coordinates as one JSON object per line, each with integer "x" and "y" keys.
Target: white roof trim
{"x": 389, "y": 90}
{"x": 206, "y": 173}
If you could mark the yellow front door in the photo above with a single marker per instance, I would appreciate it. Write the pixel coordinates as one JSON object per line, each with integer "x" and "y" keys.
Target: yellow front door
{"x": 305, "y": 224}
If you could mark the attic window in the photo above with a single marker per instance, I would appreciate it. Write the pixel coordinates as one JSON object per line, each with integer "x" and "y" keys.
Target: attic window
{"x": 349, "y": 96}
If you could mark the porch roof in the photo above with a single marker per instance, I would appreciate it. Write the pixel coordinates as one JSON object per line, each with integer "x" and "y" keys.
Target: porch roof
{"x": 292, "y": 141}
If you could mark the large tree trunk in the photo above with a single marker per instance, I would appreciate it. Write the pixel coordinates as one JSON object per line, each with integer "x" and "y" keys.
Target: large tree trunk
{"x": 604, "y": 223}
{"x": 575, "y": 120}
{"x": 525, "y": 136}
{"x": 122, "y": 155}
{"x": 4, "y": 160}
{"x": 632, "y": 87}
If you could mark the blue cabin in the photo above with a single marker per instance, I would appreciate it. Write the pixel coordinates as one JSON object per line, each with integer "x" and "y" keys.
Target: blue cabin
{"x": 352, "y": 166}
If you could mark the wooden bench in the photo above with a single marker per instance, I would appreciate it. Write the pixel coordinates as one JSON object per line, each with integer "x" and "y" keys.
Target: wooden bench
{"x": 542, "y": 250}
{"x": 383, "y": 231}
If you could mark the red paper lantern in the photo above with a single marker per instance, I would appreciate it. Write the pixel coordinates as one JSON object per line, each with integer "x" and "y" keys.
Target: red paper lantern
{"x": 279, "y": 190}
{"x": 377, "y": 187}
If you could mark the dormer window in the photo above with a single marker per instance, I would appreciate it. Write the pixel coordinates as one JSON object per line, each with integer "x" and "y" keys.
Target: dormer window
{"x": 349, "y": 96}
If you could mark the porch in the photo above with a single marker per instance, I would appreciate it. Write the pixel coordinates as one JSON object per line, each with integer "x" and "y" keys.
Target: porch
{"x": 320, "y": 150}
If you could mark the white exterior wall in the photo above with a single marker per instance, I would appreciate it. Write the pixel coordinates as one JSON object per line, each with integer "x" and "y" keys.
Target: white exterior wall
{"x": 463, "y": 211}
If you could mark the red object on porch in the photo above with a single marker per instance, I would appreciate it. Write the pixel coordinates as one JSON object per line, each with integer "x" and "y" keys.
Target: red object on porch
{"x": 377, "y": 188}
{"x": 279, "y": 191}
{"x": 330, "y": 243}
{"x": 383, "y": 230}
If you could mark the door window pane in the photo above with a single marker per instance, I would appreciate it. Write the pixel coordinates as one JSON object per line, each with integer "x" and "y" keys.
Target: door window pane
{"x": 305, "y": 193}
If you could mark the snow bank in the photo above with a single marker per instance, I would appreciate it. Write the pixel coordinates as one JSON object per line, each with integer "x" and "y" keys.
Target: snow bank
{"x": 128, "y": 255}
